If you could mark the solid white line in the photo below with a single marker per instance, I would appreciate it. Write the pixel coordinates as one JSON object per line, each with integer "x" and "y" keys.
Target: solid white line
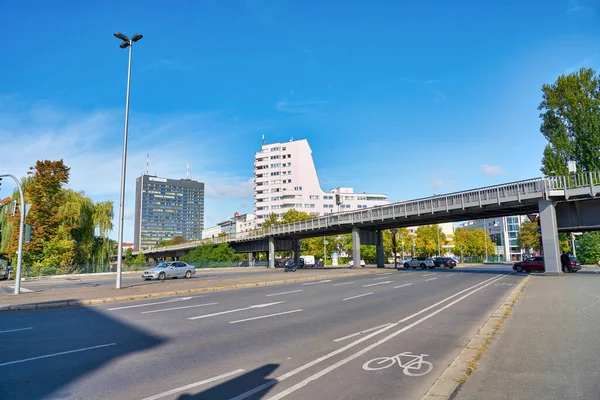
{"x": 193, "y": 385}
{"x": 236, "y": 310}
{"x": 152, "y": 304}
{"x": 345, "y": 283}
{"x": 356, "y": 297}
{"x": 266, "y": 316}
{"x": 24, "y": 290}
{"x": 178, "y": 308}
{"x": 56, "y": 354}
{"x": 372, "y": 346}
{"x": 383, "y": 277}
{"x": 428, "y": 275}
{"x": 16, "y": 330}
{"x": 406, "y": 284}
{"x": 314, "y": 283}
{"x": 430, "y": 279}
{"x": 291, "y": 291}
{"x": 387, "y": 273}
{"x": 361, "y": 332}
{"x": 378, "y": 283}
{"x": 301, "y": 368}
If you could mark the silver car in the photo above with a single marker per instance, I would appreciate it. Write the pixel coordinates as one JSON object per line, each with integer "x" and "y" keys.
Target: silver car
{"x": 170, "y": 269}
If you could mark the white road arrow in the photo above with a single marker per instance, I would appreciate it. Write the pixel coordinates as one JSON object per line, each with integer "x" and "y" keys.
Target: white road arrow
{"x": 237, "y": 309}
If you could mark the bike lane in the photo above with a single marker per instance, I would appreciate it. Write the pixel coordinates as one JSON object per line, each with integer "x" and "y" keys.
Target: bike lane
{"x": 425, "y": 346}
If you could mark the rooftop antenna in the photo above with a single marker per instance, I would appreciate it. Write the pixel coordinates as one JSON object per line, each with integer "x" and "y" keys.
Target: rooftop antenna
{"x": 147, "y": 162}
{"x": 187, "y": 170}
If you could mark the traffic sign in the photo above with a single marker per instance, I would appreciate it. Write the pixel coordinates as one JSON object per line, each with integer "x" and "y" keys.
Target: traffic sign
{"x": 532, "y": 217}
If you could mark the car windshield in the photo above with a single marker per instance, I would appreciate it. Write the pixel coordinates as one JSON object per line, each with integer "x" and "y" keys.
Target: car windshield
{"x": 163, "y": 265}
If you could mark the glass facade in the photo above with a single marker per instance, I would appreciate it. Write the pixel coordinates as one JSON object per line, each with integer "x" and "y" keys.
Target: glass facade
{"x": 166, "y": 208}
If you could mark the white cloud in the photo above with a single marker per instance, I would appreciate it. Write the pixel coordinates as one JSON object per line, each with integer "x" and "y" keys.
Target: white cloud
{"x": 492, "y": 170}
{"x": 90, "y": 143}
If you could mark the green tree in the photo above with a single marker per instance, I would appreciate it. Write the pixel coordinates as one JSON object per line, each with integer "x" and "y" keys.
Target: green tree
{"x": 173, "y": 241}
{"x": 208, "y": 252}
{"x": 270, "y": 220}
{"x": 427, "y": 239}
{"x": 294, "y": 215}
{"x": 128, "y": 256}
{"x": 588, "y": 247}
{"x": 473, "y": 242}
{"x": 140, "y": 259}
{"x": 571, "y": 122}
{"x": 528, "y": 237}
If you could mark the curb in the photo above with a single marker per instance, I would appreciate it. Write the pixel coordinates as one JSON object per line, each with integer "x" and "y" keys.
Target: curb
{"x": 76, "y": 303}
{"x": 465, "y": 363}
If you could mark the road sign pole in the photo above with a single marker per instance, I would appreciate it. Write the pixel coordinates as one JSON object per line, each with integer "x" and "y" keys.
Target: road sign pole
{"x": 21, "y": 232}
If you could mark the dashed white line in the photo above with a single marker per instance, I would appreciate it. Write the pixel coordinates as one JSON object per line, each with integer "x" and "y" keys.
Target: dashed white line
{"x": 279, "y": 294}
{"x": 236, "y": 310}
{"x": 314, "y": 283}
{"x": 56, "y": 354}
{"x": 193, "y": 385}
{"x": 153, "y": 304}
{"x": 428, "y": 275}
{"x": 387, "y": 273}
{"x": 361, "y": 332}
{"x": 16, "y": 330}
{"x": 179, "y": 308}
{"x": 430, "y": 279}
{"x": 378, "y": 283}
{"x": 383, "y": 277}
{"x": 406, "y": 284}
{"x": 345, "y": 283}
{"x": 356, "y": 297}
{"x": 266, "y": 316}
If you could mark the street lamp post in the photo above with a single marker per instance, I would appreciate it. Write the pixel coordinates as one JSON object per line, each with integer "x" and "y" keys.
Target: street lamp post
{"x": 437, "y": 227}
{"x": 23, "y": 210}
{"x": 126, "y": 43}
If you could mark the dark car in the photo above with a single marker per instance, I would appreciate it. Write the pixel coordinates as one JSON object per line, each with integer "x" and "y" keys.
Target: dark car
{"x": 5, "y": 272}
{"x": 444, "y": 262}
{"x": 574, "y": 265}
{"x": 531, "y": 264}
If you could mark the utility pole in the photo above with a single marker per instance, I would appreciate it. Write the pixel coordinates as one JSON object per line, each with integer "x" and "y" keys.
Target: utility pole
{"x": 485, "y": 238}
{"x": 23, "y": 211}
{"x": 437, "y": 227}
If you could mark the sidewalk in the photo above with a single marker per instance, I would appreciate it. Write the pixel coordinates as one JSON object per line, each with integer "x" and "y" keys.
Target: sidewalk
{"x": 548, "y": 347}
{"x": 172, "y": 287}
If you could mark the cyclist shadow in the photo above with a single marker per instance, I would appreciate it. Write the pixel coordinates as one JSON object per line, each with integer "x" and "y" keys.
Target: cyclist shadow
{"x": 238, "y": 385}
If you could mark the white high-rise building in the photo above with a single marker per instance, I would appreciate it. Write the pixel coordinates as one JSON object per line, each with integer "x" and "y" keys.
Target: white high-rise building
{"x": 285, "y": 177}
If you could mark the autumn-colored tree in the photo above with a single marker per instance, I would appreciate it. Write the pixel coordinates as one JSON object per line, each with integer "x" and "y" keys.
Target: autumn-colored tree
{"x": 428, "y": 238}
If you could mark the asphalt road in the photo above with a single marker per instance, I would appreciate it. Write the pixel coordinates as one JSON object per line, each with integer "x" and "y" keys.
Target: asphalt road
{"x": 330, "y": 339}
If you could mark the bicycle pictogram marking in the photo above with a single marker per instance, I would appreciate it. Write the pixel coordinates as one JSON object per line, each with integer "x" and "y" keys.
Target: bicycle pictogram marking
{"x": 416, "y": 365}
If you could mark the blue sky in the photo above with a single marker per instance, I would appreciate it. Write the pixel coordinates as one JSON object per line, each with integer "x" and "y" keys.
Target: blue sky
{"x": 393, "y": 97}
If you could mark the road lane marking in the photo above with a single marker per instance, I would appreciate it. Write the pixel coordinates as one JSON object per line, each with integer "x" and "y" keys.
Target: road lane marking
{"x": 193, "y": 385}
{"x": 25, "y": 290}
{"x": 428, "y": 275}
{"x": 16, "y": 330}
{"x": 378, "y": 283}
{"x": 345, "y": 283}
{"x": 266, "y": 316}
{"x": 56, "y": 354}
{"x": 178, "y": 308}
{"x": 310, "y": 364}
{"x": 387, "y": 273}
{"x": 279, "y": 294}
{"x": 361, "y": 332}
{"x": 359, "y": 353}
{"x": 356, "y": 297}
{"x": 406, "y": 284}
{"x": 383, "y": 277}
{"x": 314, "y": 283}
{"x": 153, "y": 304}
{"x": 236, "y": 310}
{"x": 430, "y": 279}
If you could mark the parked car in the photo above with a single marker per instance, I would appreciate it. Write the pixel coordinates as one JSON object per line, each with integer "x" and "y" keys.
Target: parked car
{"x": 351, "y": 263}
{"x": 574, "y": 264}
{"x": 422, "y": 262}
{"x": 307, "y": 261}
{"x": 5, "y": 273}
{"x": 444, "y": 262}
{"x": 530, "y": 264}
{"x": 170, "y": 269}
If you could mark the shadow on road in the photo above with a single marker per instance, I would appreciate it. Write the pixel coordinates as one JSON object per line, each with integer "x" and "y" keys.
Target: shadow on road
{"x": 237, "y": 386}
{"x": 59, "y": 347}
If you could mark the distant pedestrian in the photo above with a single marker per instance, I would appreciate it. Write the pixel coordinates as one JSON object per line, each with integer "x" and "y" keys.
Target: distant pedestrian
{"x": 564, "y": 260}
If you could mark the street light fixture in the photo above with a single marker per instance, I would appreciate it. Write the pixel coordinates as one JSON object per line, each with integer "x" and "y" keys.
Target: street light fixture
{"x": 126, "y": 43}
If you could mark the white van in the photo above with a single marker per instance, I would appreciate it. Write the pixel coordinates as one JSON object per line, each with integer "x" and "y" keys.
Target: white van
{"x": 307, "y": 261}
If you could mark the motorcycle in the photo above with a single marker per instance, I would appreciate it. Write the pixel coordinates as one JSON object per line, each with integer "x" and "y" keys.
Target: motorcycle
{"x": 290, "y": 266}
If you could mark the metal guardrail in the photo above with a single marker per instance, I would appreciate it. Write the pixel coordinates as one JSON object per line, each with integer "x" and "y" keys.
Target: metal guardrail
{"x": 510, "y": 192}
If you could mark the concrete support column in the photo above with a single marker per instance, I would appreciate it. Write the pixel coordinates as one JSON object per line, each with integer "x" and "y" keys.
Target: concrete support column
{"x": 297, "y": 252}
{"x": 380, "y": 253}
{"x": 550, "y": 245}
{"x": 356, "y": 247}
{"x": 251, "y": 259}
{"x": 271, "y": 251}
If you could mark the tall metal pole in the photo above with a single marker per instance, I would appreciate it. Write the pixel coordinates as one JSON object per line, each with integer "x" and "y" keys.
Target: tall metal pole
{"x": 123, "y": 169}
{"x": 485, "y": 239}
{"x": 573, "y": 244}
{"x": 21, "y": 231}
{"x": 437, "y": 227}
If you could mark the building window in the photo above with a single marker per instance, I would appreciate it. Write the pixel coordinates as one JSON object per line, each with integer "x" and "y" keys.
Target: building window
{"x": 283, "y": 148}
{"x": 298, "y": 205}
{"x": 513, "y": 235}
{"x": 361, "y": 197}
{"x": 275, "y": 157}
{"x": 274, "y": 173}
{"x": 276, "y": 165}
{"x": 349, "y": 197}
{"x": 314, "y": 197}
{"x": 309, "y": 206}
{"x": 512, "y": 220}
{"x": 513, "y": 227}
{"x": 328, "y": 205}
{"x": 298, "y": 188}
{"x": 327, "y": 197}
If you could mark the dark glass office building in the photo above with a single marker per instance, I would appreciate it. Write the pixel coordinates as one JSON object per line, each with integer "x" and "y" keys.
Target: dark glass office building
{"x": 165, "y": 208}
